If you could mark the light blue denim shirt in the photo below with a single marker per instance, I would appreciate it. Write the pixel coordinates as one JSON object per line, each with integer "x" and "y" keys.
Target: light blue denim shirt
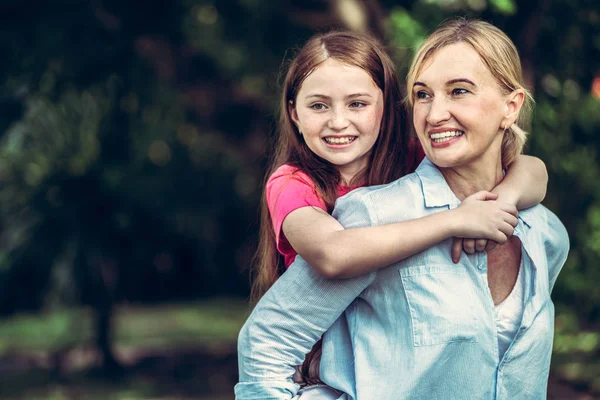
{"x": 422, "y": 328}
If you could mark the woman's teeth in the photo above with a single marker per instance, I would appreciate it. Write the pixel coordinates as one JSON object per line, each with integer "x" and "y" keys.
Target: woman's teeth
{"x": 339, "y": 140}
{"x": 445, "y": 136}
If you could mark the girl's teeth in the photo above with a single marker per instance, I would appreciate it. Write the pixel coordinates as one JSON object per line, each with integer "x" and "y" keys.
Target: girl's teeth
{"x": 445, "y": 136}
{"x": 339, "y": 140}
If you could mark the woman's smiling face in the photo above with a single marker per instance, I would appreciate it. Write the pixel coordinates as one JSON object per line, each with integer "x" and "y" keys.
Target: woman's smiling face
{"x": 459, "y": 109}
{"x": 338, "y": 110}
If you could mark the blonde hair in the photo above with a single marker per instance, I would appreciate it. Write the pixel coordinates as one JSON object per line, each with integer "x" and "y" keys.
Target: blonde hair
{"x": 500, "y": 56}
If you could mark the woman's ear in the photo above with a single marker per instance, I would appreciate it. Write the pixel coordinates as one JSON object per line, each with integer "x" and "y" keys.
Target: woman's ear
{"x": 514, "y": 102}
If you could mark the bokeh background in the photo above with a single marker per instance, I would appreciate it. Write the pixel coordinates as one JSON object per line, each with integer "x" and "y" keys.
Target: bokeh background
{"x": 134, "y": 138}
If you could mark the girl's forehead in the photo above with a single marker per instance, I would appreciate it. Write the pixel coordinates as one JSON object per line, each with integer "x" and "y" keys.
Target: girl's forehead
{"x": 333, "y": 75}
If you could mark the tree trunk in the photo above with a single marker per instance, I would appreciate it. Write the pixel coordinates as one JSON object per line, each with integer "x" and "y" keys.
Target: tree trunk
{"x": 530, "y": 17}
{"x": 104, "y": 314}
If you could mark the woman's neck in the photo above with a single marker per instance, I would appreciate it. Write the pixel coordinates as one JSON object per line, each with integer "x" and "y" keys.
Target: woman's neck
{"x": 467, "y": 180}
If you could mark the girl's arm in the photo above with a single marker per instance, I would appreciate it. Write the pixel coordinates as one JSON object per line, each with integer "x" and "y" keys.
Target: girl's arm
{"x": 525, "y": 182}
{"x": 524, "y": 186}
{"x": 336, "y": 253}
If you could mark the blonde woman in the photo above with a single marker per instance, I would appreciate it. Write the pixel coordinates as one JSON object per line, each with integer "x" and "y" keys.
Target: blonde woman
{"x": 425, "y": 327}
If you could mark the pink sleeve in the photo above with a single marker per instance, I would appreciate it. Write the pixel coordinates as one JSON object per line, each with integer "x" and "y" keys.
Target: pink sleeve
{"x": 287, "y": 190}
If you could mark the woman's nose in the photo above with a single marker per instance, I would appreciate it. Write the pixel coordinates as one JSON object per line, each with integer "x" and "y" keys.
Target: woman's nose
{"x": 438, "y": 112}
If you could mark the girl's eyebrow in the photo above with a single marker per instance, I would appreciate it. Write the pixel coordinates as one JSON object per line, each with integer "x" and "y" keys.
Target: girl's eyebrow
{"x": 350, "y": 96}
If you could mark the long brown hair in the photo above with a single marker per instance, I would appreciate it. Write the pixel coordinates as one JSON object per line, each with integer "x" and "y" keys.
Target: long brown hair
{"x": 388, "y": 158}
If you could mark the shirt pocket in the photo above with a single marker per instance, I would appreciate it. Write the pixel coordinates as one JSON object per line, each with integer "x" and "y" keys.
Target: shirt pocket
{"x": 441, "y": 302}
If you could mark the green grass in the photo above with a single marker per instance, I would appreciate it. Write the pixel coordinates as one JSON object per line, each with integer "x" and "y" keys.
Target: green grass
{"x": 211, "y": 323}
{"x": 204, "y": 329}
{"x": 208, "y": 327}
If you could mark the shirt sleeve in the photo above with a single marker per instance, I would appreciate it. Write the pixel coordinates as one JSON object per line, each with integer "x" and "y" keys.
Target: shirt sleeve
{"x": 292, "y": 316}
{"x": 557, "y": 247}
{"x": 287, "y": 190}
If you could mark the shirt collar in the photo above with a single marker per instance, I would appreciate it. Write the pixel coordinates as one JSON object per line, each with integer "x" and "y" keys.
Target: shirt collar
{"x": 526, "y": 217}
{"x": 437, "y": 193}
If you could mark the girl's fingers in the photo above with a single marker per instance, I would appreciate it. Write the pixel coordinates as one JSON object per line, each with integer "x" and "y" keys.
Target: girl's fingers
{"x": 480, "y": 244}
{"x": 483, "y": 195}
{"x": 507, "y": 230}
{"x": 491, "y": 245}
{"x": 469, "y": 246}
{"x": 457, "y": 245}
{"x": 514, "y": 221}
{"x": 509, "y": 208}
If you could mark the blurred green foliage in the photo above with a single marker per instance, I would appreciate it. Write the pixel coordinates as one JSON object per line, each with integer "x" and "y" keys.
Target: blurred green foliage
{"x": 211, "y": 323}
{"x": 134, "y": 138}
{"x": 172, "y": 351}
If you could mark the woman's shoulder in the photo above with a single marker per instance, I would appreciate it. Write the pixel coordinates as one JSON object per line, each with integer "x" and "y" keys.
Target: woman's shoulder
{"x": 548, "y": 225}
{"x": 404, "y": 193}
{"x": 402, "y": 187}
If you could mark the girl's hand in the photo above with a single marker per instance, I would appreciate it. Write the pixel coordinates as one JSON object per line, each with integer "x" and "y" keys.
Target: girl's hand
{"x": 483, "y": 222}
{"x": 470, "y": 246}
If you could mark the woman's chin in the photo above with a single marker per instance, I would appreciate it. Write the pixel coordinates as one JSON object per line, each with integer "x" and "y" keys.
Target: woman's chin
{"x": 444, "y": 160}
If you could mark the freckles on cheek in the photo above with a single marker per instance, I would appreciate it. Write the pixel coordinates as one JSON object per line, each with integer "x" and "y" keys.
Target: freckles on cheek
{"x": 374, "y": 119}
{"x": 308, "y": 123}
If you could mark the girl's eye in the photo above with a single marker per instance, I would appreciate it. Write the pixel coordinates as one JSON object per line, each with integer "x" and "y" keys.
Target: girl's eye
{"x": 357, "y": 104}
{"x": 421, "y": 95}
{"x": 318, "y": 106}
{"x": 459, "y": 91}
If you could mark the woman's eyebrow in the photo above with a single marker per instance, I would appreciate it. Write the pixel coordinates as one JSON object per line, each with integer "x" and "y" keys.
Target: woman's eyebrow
{"x": 450, "y": 82}
{"x": 461, "y": 80}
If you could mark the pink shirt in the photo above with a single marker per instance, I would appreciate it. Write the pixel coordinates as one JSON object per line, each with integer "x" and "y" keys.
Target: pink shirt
{"x": 287, "y": 190}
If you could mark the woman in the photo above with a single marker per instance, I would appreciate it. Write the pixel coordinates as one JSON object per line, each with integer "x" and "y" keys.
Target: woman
{"x": 339, "y": 129}
{"x": 425, "y": 327}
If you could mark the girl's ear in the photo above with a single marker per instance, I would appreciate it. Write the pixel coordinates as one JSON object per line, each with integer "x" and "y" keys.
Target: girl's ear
{"x": 514, "y": 102}
{"x": 294, "y": 114}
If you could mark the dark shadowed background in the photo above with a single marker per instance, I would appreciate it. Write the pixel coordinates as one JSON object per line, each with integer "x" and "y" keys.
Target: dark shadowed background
{"x": 133, "y": 142}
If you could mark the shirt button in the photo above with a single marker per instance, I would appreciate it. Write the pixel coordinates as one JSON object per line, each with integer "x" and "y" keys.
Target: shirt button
{"x": 481, "y": 266}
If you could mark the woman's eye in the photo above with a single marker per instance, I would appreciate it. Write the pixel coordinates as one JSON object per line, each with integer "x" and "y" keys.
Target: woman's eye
{"x": 459, "y": 91}
{"x": 421, "y": 95}
{"x": 318, "y": 106}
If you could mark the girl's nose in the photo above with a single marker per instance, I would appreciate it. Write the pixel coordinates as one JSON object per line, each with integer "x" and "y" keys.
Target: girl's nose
{"x": 338, "y": 121}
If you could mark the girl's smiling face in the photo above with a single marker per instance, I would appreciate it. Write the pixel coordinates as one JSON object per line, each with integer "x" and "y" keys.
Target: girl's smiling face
{"x": 459, "y": 109}
{"x": 338, "y": 111}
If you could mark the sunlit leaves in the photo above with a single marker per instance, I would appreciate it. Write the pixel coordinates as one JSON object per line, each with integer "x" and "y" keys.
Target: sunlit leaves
{"x": 405, "y": 30}
{"x": 507, "y": 7}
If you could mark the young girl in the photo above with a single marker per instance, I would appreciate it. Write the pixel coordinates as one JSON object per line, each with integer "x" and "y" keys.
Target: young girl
{"x": 340, "y": 129}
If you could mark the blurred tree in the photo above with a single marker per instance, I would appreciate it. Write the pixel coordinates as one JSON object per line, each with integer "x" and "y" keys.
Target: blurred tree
{"x": 133, "y": 140}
